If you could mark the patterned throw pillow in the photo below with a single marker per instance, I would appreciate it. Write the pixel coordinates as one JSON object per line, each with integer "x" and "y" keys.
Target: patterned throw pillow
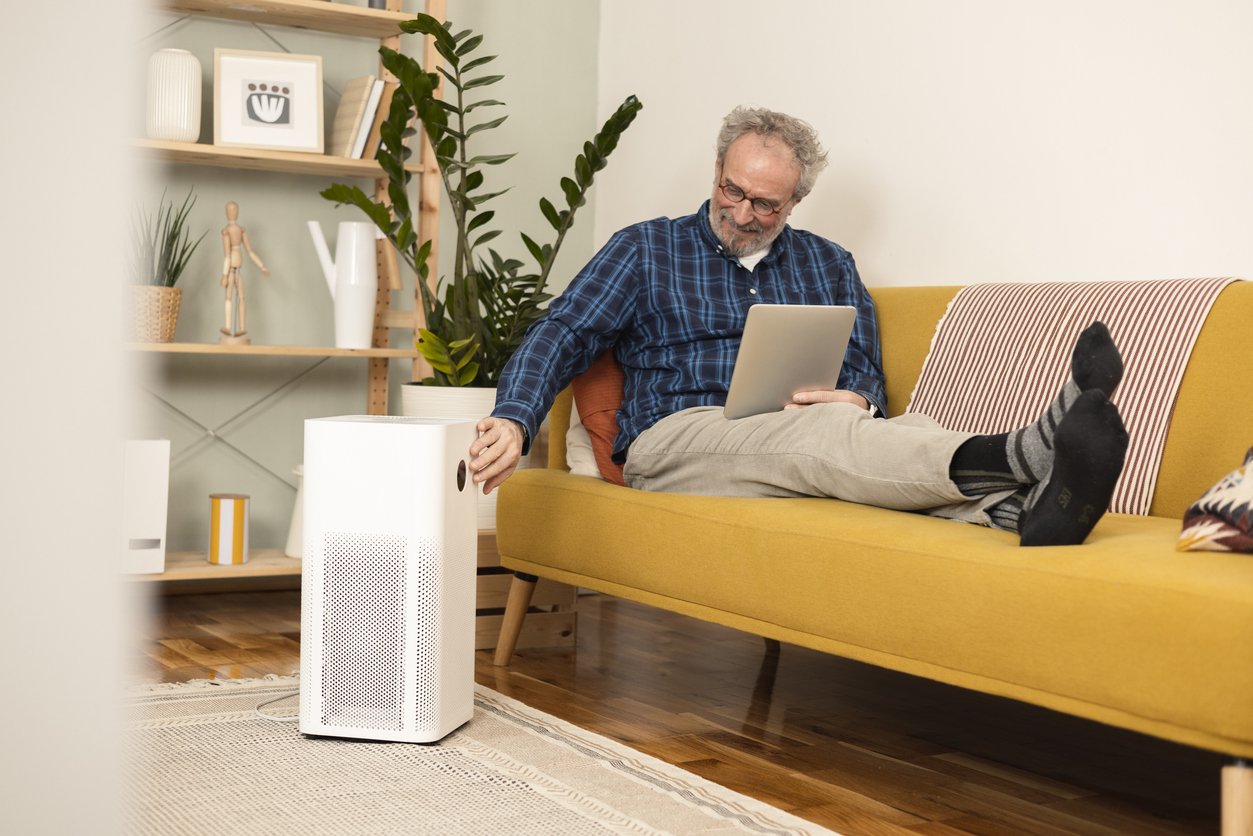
{"x": 1222, "y": 519}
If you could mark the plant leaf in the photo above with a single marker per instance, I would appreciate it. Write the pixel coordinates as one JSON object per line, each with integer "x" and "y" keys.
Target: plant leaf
{"x": 479, "y": 200}
{"x": 470, "y": 45}
{"x": 492, "y": 159}
{"x": 485, "y": 126}
{"x": 482, "y": 81}
{"x": 485, "y": 237}
{"x": 479, "y": 219}
{"x": 483, "y": 103}
{"x": 477, "y": 62}
{"x": 468, "y": 374}
{"x": 424, "y": 24}
{"x": 550, "y": 212}
{"x": 534, "y": 249}
{"x": 571, "y": 189}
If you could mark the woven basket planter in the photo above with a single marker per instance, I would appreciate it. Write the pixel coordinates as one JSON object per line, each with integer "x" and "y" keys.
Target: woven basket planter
{"x": 153, "y": 314}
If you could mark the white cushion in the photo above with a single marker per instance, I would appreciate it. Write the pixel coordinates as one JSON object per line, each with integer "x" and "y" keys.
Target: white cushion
{"x": 579, "y": 453}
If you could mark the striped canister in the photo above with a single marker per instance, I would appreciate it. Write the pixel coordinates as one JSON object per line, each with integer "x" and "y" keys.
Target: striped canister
{"x": 173, "y": 96}
{"x": 228, "y": 528}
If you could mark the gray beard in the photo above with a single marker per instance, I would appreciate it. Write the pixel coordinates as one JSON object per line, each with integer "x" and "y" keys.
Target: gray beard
{"x": 740, "y": 247}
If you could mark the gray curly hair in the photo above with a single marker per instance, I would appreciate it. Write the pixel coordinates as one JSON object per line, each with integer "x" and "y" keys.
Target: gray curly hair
{"x": 792, "y": 132}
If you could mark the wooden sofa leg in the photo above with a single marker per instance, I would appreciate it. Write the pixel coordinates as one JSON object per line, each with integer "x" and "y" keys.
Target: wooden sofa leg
{"x": 1238, "y": 797}
{"x": 520, "y": 592}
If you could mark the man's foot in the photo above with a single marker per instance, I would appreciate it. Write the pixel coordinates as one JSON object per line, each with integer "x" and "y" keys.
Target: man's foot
{"x": 1090, "y": 445}
{"x": 1095, "y": 362}
{"x": 226, "y": 331}
{"x": 989, "y": 463}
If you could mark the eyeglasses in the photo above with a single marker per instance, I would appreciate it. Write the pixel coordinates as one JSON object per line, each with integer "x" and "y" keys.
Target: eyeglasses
{"x": 760, "y": 205}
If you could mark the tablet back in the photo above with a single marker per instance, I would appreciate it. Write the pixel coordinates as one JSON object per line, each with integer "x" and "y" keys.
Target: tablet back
{"x": 787, "y": 349}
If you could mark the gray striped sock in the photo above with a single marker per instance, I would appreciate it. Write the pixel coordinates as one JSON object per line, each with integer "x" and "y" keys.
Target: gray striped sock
{"x": 1030, "y": 449}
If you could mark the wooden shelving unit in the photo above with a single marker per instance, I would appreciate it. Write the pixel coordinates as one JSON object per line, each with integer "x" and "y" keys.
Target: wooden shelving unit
{"x": 191, "y": 571}
{"x": 354, "y": 21}
{"x": 272, "y": 350}
{"x": 286, "y": 162}
{"x": 296, "y": 14}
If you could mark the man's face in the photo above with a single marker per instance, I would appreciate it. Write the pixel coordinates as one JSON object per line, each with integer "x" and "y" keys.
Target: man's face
{"x": 761, "y": 170}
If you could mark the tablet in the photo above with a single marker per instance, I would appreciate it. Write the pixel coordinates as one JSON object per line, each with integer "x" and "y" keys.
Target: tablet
{"x": 787, "y": 349}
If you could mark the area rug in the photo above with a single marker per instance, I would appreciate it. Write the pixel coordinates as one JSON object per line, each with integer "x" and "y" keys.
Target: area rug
{"x": 202, "y": 762}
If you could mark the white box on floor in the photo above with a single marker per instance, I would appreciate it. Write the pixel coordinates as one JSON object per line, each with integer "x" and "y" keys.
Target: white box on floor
{"x": 145, "y": 500}
{"x": 388, "y": 589}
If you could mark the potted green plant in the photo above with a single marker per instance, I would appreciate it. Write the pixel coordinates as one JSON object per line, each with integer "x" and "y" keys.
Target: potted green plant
{"x": 161, "y": 249}
{"x": 476, "y": 325}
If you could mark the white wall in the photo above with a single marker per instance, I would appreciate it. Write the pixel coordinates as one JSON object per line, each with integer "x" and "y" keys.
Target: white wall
{"x": 66, "y": 174}
{"x": 971, "y": 140}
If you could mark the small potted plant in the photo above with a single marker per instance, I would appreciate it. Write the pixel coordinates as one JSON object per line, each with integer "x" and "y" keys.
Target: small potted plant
{"x": 161, "y": 249}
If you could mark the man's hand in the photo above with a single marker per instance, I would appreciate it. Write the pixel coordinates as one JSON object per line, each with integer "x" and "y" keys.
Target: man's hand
{"x": 803, "y": 399}
{"x": 495, "y": 455}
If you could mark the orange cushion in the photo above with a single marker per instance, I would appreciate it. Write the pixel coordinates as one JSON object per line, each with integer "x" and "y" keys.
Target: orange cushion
{"x": 598, "y": 395}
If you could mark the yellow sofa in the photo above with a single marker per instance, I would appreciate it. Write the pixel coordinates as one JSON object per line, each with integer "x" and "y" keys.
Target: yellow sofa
{"x": 1124, "y": 630}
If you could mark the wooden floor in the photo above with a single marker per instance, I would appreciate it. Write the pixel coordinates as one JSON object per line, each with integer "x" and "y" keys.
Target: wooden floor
{"x": 854, "y": 748}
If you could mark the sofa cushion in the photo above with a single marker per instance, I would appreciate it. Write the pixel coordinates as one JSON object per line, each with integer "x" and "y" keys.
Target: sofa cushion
{"x": 1122, "y": 630}
{"x": 598, "y": 395}
{"x": 579, "y": 456}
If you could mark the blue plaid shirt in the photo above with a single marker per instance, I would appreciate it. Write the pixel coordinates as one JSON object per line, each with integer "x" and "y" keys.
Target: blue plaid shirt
{"x": 673, "y": 304}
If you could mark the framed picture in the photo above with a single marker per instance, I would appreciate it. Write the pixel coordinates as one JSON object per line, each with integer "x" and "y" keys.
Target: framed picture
{"x": 270, "y": 100}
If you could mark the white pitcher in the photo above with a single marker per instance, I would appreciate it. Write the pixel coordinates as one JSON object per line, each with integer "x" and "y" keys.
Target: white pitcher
{"x": 353, "y": 280}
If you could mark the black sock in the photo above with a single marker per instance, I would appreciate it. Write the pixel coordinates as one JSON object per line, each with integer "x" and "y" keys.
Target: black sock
{"x": 981, "y": 466}
{"x": 988, "y": 463}
{"x": 1090, "y": 448}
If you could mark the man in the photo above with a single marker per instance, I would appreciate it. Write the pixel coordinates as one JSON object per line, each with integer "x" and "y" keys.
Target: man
{"x": 671, "y": 298}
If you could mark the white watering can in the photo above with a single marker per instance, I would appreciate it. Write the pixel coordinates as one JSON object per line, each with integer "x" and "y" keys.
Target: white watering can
{"x": 353, "y": 280}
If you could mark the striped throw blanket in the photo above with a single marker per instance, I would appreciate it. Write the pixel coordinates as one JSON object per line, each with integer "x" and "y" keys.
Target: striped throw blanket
{"x": 1002, "y": 351}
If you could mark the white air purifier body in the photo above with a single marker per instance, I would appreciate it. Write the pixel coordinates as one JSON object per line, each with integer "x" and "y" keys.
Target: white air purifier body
{"x": 388, "y": 589}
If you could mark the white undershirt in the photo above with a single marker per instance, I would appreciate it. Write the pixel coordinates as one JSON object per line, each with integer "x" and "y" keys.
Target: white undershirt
{"x": 750, "y": 261}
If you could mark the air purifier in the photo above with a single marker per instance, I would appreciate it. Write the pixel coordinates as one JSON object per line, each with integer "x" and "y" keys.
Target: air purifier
{"x": 387, "y": 595}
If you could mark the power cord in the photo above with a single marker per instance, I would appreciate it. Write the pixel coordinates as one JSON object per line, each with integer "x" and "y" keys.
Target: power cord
{"x": 257, "y": 709}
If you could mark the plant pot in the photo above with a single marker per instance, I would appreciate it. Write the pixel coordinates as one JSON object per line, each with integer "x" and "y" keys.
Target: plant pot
{"x": 468, "y": 403}
{"x": 153, "y": 314}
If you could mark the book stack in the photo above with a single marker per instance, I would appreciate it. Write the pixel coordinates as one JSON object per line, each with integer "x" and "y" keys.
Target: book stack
{"x": 357, "y": 119}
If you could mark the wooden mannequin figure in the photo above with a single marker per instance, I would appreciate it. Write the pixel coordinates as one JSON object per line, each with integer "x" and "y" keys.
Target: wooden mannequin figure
{"x": 233, "y": 236}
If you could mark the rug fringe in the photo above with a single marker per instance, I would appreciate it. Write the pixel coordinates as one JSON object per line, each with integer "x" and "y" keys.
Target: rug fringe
{"x": 213, "y": 684}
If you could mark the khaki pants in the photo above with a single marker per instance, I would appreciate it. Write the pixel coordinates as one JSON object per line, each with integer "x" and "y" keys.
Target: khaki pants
{"x": 829, "y": 450}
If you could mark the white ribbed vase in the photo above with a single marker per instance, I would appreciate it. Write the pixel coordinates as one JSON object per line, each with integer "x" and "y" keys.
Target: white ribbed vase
{"x": 174, "y": 96}
{"x": 472, "y": 404}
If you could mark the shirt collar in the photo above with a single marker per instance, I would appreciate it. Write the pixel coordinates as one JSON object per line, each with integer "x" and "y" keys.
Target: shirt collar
{"x": 776, "y": 247}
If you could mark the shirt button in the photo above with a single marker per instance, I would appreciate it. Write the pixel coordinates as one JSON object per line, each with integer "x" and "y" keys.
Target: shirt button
{"x": 752, "y": 290}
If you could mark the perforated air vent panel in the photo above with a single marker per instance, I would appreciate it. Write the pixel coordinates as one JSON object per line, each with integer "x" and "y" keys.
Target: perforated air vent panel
{"x": 426, "y": 578}
{"x": 363, "y": 631}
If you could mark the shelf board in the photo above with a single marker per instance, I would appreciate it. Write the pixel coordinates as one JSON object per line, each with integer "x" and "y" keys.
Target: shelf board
{"x": 281, "y": 350}
{"x": 254, "y": 159}
{"x": 195, "y": 566}
{"x": 298, "y": 14}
